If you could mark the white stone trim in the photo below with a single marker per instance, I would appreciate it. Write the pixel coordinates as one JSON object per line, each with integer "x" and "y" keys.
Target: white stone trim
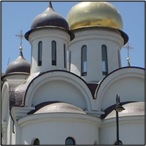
{"x": 36, "y": 118}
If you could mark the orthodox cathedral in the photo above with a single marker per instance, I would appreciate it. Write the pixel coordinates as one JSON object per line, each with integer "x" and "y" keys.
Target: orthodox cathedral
{"x": 74, "y": 91}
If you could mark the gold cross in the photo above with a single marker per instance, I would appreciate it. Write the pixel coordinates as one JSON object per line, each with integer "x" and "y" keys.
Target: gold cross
{"x": 128, "y": 47}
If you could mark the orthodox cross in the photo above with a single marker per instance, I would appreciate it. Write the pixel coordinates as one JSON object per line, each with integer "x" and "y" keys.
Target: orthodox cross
{"x": 20, "y": 36}
{"x": 128, "y": 47}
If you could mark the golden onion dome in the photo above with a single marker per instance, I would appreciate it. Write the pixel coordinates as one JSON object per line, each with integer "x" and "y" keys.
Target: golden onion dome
{"x": 88, "y": 14}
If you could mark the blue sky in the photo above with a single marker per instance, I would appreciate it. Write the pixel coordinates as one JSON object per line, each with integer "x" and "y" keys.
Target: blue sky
{"x": 18, "y": 16}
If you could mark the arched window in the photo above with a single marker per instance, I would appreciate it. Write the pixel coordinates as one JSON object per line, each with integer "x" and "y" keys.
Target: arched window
{"x": 119, "y": 58}
{"x": 104, "y": 60}
{"x": 69, "y": 60}
{"x": 36, "y": 142}
{"x": 64, "y": 56}
{"x": 69, "y": 141}
{"x": 84, "y": 60}
{"x": 54, "y": 53}
{"x": 40, "y": 53}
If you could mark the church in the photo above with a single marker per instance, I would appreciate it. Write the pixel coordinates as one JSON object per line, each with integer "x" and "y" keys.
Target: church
{"x": 74, "y": 91}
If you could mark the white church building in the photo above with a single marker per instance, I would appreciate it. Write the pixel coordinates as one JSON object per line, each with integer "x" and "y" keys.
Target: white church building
{"x": 67, "y": 94}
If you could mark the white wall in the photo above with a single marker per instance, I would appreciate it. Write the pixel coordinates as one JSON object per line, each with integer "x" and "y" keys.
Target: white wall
{"x": 131, "y": 130}
{"x": 129, "y": 89}
{"x": 94, "y": 38}
{"x": 59, "y": 91}
{"x": 47, "y": 35}
{"x": 17, "y": 76}
{"x": 60, "y": 86}
{"x": 55, "y": 128}
{"x": 127, "y": 82}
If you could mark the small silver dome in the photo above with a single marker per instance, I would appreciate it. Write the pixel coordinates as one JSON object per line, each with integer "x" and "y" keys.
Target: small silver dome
{"x": 131, "y": 109}
{"x": 18, "y": 65}
{"x": 60, "y": 108}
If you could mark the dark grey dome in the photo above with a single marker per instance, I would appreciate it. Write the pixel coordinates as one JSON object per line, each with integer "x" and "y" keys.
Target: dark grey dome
{"x": 49, "y": 18}
{"x": 18, "y": 65}
{"x": 131, "y": 109}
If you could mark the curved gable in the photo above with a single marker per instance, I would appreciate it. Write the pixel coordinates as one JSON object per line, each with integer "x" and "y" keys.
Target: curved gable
{"x": 58, "y": 86}
{"x": 128, "y": 82}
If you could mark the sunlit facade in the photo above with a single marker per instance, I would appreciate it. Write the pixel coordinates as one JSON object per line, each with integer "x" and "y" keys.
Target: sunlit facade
{"x": 67, "y": 93}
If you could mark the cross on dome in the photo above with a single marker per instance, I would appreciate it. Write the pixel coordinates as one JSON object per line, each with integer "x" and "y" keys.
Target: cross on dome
{"x": 20, "y": 36}
{"x": 50, "y": 4}
{"x": 128, "y": 47}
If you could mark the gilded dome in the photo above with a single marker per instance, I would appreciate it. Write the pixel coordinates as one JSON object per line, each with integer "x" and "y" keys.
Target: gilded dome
{"x": 88, "y": 14}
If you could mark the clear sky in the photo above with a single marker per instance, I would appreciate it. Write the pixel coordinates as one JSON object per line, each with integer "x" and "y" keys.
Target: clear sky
{"x": 18, "y": 16}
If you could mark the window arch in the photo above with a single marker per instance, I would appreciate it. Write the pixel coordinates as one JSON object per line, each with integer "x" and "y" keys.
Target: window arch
{"x": 69, "y": 141}
{"x": 84, "y": 60}
{"x": 40, "y": 53}
{"x": 54, "y": 53}
{"x": 36, "y": 142}
{"x": 104, "y": 60}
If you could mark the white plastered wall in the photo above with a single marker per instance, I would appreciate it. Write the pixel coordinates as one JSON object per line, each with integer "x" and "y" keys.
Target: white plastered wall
{"x": 60, "y": 86}
{"x": 47, "y": 35}
{"x": 94, "y": 38}
{"x": 131, "y": 130}
{"x": 128, "y": 83}
{"x": 55, "y": 128}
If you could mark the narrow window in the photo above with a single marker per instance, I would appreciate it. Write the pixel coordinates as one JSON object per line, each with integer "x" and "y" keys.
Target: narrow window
{"x": 40, "y": 53}
{"x": 31, "y": 52}
{"x": 104, "y": 60}
{"x": 36, "y": 142}
{"x": 69, "y": 60}
{"x": 84, "y": 60}
{"x": 64, "y": 56}
{"x": 54, "y": 53}
{"x": 119, "y": 58}
{"x": 69, "y": 141}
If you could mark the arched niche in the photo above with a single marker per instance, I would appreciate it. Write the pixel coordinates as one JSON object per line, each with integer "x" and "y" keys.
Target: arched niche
{"x": 128, "y": 82}
{"x": 59, "y": 86}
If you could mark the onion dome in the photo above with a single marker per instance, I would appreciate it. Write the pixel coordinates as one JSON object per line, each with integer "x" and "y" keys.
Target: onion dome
{"x": 18, "y": 65}
{"x": 61, "y": 108}
{"x": 87, "y": 14}
{"x": 49, "y": 18}
{"x": 96, "y": 14}
{"x": 131, "y": 109}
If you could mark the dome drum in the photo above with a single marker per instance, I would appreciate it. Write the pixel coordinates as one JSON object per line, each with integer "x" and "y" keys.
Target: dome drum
{"x": 71, "y": 34}
{"x": 98, "y": 28}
